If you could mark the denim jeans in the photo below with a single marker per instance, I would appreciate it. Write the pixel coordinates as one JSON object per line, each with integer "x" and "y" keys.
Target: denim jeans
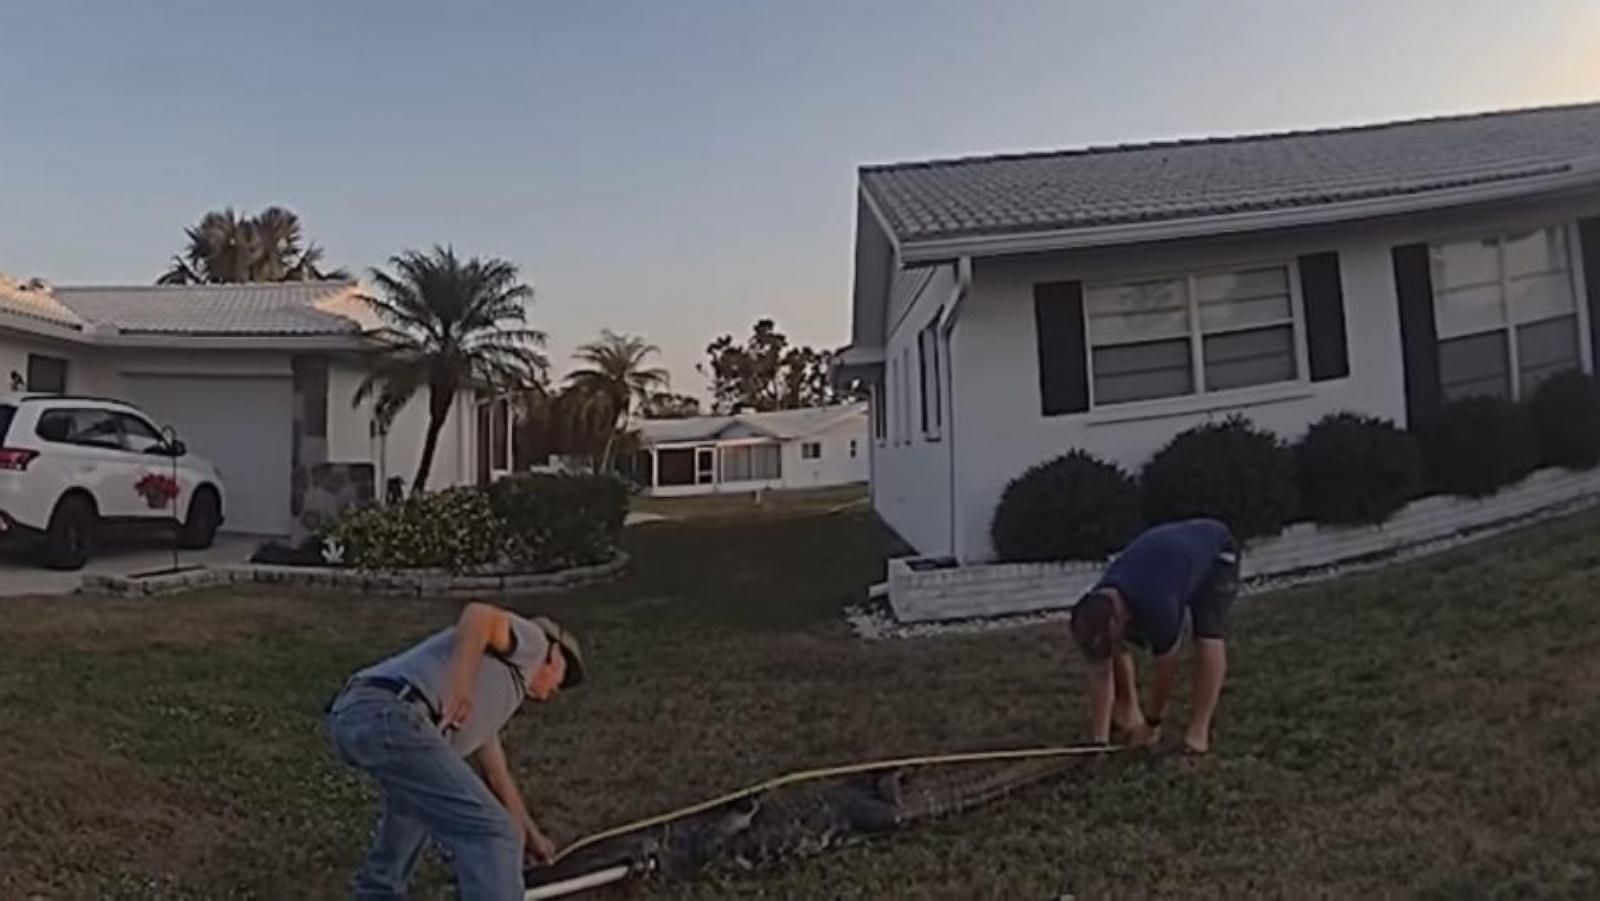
{"x": 427, "y": 790}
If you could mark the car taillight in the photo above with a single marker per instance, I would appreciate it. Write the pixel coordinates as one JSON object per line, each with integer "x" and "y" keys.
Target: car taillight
{"x": 16, "y": 459}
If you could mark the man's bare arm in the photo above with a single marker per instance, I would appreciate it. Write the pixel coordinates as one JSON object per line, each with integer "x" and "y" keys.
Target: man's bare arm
{"x": 1102, "y": 694}
{"x": 480, "y": 629}
{"x": 491, "y": 763}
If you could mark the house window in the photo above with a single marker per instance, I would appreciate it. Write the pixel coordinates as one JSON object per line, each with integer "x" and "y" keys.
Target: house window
{"x": 852, "y": 448}
{"x": 1191, "y": 335}
{"x": 1505, "y": 313}
{"x": 905, "y": 396}
{"x": 675, "y": 467}
{"x": 47, "y": 374}
{"x": 928, "y": 367}
{"x": 892, "y": 408}
{"x": 811, "y": 450}
{"x": 752, "y": 463}
{"x": 880, "y": 412}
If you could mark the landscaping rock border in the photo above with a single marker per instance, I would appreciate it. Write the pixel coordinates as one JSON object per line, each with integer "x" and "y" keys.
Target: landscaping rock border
{"x": 928, "y": 591}
{"x": 409, "y": 583}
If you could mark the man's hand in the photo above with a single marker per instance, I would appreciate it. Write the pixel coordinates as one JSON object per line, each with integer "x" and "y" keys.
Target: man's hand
{"x": 537, "y": 845}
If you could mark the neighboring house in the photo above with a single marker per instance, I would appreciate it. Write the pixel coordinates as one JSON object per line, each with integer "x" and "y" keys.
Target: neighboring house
{"x": 1010, "y": 308}
{"x": 787, "y": 449}
{"x": 258, "y": 378}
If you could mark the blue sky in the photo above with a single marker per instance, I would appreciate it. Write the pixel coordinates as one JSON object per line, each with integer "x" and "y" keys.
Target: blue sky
{"x": 672, "y": 169}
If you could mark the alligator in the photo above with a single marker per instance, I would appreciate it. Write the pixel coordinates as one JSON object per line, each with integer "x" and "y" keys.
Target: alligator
{"x": 765, "y": 828}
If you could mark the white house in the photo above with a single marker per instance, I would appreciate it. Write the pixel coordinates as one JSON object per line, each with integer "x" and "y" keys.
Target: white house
{"x": 786, "y": 449}
{"x": 1010, "y": 308}
{"x": 259, "y": 378}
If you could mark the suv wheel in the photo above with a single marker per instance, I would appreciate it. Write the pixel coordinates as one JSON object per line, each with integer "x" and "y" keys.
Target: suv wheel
{"x": 69, "y": 539}
{"x": 200, "y": 528}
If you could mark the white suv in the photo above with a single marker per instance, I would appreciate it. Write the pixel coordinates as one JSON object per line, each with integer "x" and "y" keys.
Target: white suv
{"x": 72, "y": 468}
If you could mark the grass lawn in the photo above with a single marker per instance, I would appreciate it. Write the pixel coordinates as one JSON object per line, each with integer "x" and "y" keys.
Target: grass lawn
{"x": 1429, "y": 731}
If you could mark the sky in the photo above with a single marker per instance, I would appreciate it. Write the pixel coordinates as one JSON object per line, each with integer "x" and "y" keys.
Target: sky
{"x": 674, "y": 169}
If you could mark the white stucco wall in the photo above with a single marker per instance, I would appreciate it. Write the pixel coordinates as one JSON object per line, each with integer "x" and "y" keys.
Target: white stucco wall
{"x": 996, "y": 424}
{"x": 835, "y": 466}
{"x": 398, "y": 453}
{"x": 16, "y": 346}
{"x": 911, "y": 469}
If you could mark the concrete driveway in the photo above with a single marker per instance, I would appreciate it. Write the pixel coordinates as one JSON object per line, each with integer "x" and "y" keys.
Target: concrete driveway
{"x": 20, "y": 576}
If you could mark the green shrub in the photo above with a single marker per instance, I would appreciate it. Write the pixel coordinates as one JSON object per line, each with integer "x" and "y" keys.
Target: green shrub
{"x": 560, "y": 521}
{"x": 1075, "y": 507}
{"x": 1357, "y": 469}
{"x": 1566, "y": 416}
{"x": 1229, "y": 470}
{"x": 1478, "y": 446}
{"x": 453, "y": 530}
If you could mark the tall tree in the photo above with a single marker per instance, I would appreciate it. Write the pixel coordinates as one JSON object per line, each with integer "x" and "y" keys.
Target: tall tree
{"x": 666, "y": 405}
{"x": 456, "y": 324}
{"x": 615, "y": 382}
{"x": 227, "y": 248}
{"x": 765, "y": 373}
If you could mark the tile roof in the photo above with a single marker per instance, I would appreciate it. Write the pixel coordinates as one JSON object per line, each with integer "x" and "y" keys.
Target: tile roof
{"x": 780, "y": 424}
{"x": 36, "y": 303}
{"x": 1169, "y": 180}
{"x": 212, "y": 310}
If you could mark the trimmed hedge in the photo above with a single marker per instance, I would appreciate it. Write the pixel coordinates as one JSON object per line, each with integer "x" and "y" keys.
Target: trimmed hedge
{"x": 1229, "y": 470}
{"x": 1075, "y": 507}
{"x": 1357, "y": 470}
{"x": 560, "y": 521}
{"x": 1565, "y": 411}
{"x": 1478, "y": 446}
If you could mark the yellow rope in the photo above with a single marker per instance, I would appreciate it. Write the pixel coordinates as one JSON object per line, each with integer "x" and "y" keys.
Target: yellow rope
{"x": 829, "y": 772}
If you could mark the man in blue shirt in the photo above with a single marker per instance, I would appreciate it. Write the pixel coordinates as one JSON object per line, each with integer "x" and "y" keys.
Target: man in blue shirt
{"x": 1179, "y": 569}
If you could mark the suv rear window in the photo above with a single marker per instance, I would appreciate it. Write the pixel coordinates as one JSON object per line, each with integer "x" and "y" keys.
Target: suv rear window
{"x": 6, "y": 412}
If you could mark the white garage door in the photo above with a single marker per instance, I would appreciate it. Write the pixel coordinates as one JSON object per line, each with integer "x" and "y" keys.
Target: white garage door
{"x": 241, "y": 425}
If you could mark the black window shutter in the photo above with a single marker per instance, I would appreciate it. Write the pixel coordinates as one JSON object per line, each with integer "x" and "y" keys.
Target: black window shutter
{"x": 1323, "y": 293}
{"x": 1419, "y": 340}
{"x": 1589, "y": 239}
{"x": 1063, "y": 354}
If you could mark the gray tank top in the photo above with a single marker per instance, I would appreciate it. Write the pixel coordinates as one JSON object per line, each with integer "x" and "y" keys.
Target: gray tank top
{"x": 502, "y": 680}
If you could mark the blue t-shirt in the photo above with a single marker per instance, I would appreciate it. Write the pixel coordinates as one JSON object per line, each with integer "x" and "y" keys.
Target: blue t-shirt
{"x": 1161, "y": 573}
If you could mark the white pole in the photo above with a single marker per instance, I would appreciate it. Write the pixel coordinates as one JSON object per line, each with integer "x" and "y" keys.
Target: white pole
{"x": 579, "y": 883}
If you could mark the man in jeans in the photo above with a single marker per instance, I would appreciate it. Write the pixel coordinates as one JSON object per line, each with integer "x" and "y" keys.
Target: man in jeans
{"x": 1169, "y": 573}
{"x": 414, "y": 720}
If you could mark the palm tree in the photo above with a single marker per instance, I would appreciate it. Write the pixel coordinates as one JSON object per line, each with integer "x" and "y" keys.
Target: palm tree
{"x": 226, "y": 248}
{"x": 455, "y": 325}
{"x": 614, "y": 380}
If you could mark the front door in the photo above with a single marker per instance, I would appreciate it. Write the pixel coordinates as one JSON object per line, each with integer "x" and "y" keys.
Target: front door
{"x": 705, "y": 465}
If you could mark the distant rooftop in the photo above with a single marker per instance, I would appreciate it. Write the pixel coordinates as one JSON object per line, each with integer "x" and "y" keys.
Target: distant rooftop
{"x": 242, "y": 310}
{"x": 1098, "y": 186}
{"x": 249, "y": 309}
{"x": 779, "y": 424}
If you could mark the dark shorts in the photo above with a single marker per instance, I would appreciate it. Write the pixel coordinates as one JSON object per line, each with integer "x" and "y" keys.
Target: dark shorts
{"x": 1210, "y": 609}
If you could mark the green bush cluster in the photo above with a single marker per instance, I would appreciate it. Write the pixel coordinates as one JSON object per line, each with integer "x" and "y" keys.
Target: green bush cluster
{"x": 453, "y": 530}
{"x": 1346, "y": 470}
{"x": 1229, "y": 470}
{"x": 560, "y": 521}
{"x": 1074, "y": 507}
{"x": 523, "y": 523}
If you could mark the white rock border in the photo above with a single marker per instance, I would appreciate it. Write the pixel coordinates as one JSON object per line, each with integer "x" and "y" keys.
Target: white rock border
{"x": 921, "y": 592}
{"x": 422, "y": 583}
